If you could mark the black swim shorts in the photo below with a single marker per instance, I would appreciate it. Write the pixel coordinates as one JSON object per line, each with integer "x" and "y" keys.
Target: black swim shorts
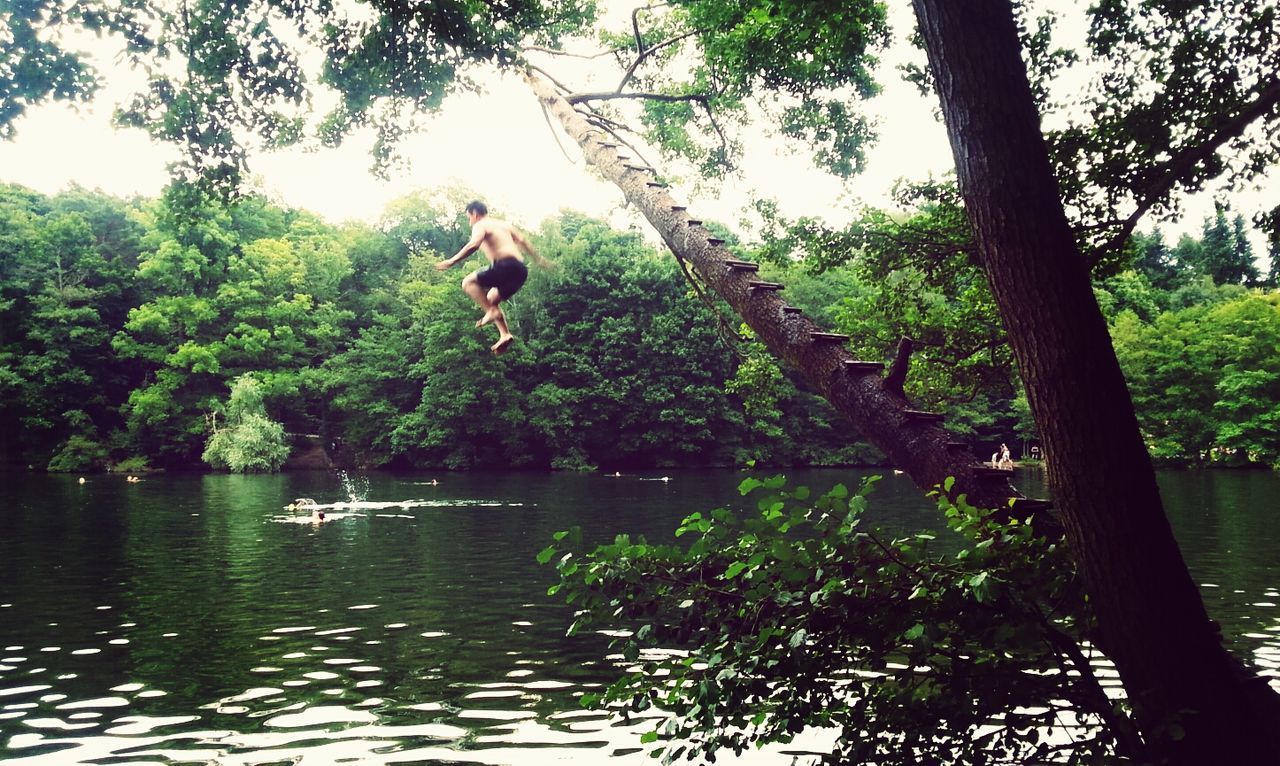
{"x": 506, "y": 274}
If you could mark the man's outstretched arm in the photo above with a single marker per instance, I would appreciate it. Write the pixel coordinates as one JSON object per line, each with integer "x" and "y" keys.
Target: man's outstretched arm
{"x": 477, "y": 236}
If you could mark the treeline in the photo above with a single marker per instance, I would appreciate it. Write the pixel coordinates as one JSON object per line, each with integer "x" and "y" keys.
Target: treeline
{"x": 124, "y": 325}
{"x": 1196, "y": 324}
{"x": 1196, "y": 327}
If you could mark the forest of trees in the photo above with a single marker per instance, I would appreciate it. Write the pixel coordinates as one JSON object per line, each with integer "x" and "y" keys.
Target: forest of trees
{"x": 126, "y": 323}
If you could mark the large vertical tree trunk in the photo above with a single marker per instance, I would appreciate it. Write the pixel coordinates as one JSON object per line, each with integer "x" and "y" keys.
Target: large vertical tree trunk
{"x": 1151, "y": 618}
{"x": 874, "y": 404}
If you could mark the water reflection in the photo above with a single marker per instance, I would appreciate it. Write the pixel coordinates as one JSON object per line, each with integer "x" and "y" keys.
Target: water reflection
{"x": 1224, "y": 522}
{"x": 176, "y": 620}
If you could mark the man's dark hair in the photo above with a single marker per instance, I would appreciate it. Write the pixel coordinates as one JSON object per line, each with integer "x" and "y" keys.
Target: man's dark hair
{"x": 477, "y": 207}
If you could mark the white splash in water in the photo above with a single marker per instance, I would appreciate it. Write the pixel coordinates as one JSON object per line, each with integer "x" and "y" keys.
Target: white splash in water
{"x": 357, "y": 488}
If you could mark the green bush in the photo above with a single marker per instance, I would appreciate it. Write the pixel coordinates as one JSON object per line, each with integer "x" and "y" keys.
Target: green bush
{"x": 132, "y": 464}
{"x": 79, "y": 453}
{"x": 250, "y": 442}
{"x": 963, "y": 650}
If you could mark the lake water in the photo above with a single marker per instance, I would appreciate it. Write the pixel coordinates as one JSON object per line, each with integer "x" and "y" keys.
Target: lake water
{"x": 191, "y": 619}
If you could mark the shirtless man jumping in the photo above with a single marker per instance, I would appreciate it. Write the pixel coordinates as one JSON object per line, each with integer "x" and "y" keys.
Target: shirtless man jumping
{"x": 501, "y": 243}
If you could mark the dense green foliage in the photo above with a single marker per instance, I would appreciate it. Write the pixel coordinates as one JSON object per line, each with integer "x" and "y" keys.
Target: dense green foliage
{"x": 1193, "y": 324}
{"x": 246, "y": 441}
{"x": 67, "y": 283}
{"x": 1206, "y": 378}
{"x": 744, "y": 49}
{"x": 126, "y": 322}
{"x": 914, "y": 650}
{"x": 1201, "y": 350}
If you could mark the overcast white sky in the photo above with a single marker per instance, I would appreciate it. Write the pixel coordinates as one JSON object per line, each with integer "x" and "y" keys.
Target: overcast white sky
{"x": 497, "y": 143}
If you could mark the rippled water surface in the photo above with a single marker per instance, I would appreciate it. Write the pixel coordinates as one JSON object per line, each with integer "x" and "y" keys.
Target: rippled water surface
{"x": 192, "y": 619}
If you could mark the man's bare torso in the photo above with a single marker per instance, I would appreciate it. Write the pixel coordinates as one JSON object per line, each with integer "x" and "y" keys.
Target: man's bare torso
{"x": 497, "y": 241}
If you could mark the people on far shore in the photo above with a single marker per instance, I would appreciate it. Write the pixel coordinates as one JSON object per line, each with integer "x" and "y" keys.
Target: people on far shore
{"x": 1002, "y": 458}
{"x": 1006, "y": 460}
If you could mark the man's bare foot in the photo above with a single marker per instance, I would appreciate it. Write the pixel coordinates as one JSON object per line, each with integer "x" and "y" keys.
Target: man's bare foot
{"x": 488, "y": 317}
{"x": 502, "y": 346}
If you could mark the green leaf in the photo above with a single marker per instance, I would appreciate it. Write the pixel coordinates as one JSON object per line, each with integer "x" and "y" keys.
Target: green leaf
{"x": 981, "y": 586}
{"x": 546, "y": 553}
{"x": 735, "y": 569}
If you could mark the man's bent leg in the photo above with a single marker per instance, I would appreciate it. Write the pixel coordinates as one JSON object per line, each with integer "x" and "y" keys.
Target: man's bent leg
{"x": 504, "y": 335}
{"x": 472, "y": 287}
{"x": 499, "y": 319}
{"x": 493, "y": 312}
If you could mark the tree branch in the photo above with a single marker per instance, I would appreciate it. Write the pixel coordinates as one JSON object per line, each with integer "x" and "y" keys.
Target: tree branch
{"x": 599, "y": 120}
{"x": 896, "y": 559}
{"x": 613, "y": 129}
{"x": 546, "y": 115}
{"x": 635, "y": 28}
{"x": 1178, "y": 166}
{"x": 897, "y": 375}
{"x": 552, "y": 80}
{"x": 578, "y": 98}
{"x": 986, "y": 346}
{"x": 727, "y": 333}
{"x": 558, "y": 52}
{"x": 724, "y": 140}
{"x": 940, "y": 248}
{"x": 647, "y": 52}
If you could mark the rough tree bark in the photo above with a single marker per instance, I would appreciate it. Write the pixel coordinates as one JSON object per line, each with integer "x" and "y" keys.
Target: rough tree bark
{"x": 1193, "y": 702}
{"x": 879, "y": 410}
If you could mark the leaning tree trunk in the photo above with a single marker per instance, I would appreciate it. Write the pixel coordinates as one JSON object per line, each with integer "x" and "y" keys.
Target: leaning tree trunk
{"x": 1151, "y": 619}
{"x": 874, "y": 403}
